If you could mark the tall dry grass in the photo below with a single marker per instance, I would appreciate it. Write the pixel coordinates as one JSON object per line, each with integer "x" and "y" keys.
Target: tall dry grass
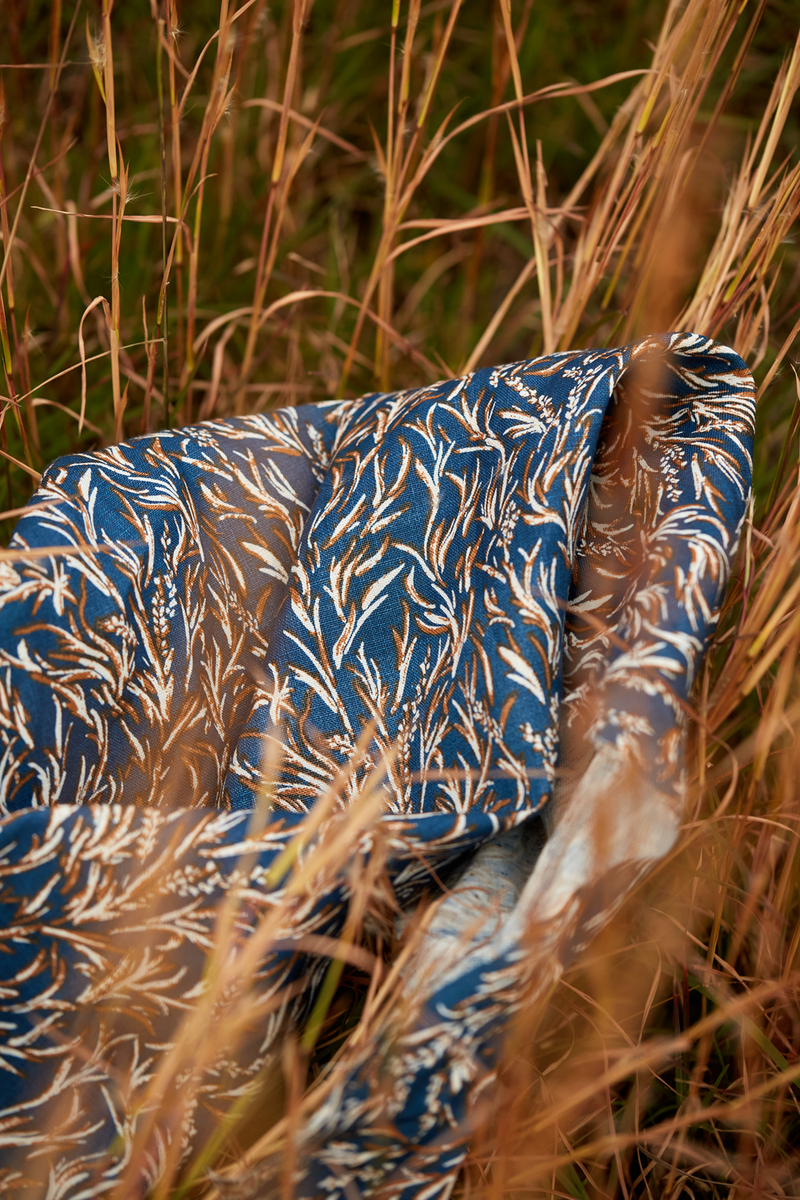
{"x": 210, "y": 210}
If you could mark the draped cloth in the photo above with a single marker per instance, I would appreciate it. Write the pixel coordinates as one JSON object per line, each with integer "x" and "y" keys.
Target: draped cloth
{"x": 490, "y": 594}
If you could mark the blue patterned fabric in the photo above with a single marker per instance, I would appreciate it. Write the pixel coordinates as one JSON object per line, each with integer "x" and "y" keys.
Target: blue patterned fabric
{"x": 478, "y": 572}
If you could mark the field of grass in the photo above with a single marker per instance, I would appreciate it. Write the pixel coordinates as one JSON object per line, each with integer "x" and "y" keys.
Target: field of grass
{"x": 212, "y": 208}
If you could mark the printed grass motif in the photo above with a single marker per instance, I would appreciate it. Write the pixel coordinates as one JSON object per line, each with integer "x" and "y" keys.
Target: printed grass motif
{"x": 213, "y": 210}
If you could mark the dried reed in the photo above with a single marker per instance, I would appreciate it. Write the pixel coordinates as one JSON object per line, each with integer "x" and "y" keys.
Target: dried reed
{"x": 684, "y": 1079}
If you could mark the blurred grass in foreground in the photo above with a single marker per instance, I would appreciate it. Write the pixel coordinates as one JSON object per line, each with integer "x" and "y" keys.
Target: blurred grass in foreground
{"x": 216, "y": 208}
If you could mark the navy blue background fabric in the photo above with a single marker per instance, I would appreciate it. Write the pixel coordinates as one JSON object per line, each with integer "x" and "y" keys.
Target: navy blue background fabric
{"x": 128, "y": 667}
{"x": 476, "y": 567}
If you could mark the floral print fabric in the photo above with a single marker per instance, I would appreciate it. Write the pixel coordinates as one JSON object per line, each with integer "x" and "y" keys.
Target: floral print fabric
{"x": 477, "y": 572}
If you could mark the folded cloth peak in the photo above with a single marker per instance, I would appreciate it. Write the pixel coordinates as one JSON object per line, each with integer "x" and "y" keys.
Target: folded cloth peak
{"x": 492, "y": 591}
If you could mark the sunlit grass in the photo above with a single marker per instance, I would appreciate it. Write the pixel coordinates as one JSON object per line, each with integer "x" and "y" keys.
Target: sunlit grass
{"x": 211, "y": 210}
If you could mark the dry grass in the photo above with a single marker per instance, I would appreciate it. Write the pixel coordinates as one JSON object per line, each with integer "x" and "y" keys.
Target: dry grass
{"x": 210, "y": 211}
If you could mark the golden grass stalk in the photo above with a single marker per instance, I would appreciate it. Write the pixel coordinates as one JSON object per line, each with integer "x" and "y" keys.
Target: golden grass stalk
{"x": 325, "y": 846}
{"x": 684, "y": 1077}
{"x": 268, "y": 247}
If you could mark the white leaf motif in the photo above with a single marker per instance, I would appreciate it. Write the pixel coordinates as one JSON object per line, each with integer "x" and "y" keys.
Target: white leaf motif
{"x": 523, "y": 672}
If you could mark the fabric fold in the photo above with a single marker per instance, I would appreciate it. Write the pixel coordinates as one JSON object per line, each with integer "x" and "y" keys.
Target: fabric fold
{"x": 508, "y": 581}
